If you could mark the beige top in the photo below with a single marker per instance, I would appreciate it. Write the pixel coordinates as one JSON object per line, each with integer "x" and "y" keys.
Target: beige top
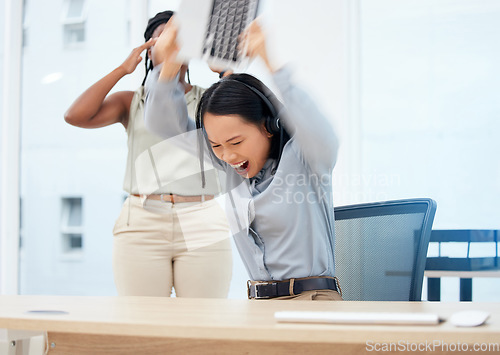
{"x": 156, "y": 165}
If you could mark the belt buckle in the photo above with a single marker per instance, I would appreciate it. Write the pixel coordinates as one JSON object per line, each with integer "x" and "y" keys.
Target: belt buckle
{"x": 256, "y": 296}
{"x": 337, "y": 284}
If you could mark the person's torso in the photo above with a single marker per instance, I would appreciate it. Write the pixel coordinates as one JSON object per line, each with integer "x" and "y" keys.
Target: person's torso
{"x": 290, "y": 222}
{"x": 155, "y": 165}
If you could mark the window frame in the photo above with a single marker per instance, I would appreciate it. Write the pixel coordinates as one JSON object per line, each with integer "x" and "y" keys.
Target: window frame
{"x": 71, "y": 24}
{"x": 10, "y": 138}
{"x": 10, "y": 148}
{"x": 67, "y": 230}
{"x": 66, "y": 20}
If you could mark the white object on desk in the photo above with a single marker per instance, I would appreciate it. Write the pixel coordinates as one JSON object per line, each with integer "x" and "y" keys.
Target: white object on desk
{"x": 468, "y": 318}
{"x": 357, "y": 317}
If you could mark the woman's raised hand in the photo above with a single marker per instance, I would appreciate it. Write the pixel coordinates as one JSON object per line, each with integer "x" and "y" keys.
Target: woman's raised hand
{"x": 253, "y": 40}
{"x": 166, "y": 49}
{"x": 135, "y": 57}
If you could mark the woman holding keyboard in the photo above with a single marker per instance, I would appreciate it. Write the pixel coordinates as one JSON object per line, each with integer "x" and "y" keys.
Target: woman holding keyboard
{"x": 278, "y": 159}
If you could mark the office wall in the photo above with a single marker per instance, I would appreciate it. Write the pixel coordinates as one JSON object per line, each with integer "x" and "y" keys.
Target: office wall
{"x": 2, "y": 21}
{"x": 60, "y": 161}
{"x": 429, "y": 111}
{"x": 430, "y": 82}
{"x": 2, "y": 33}
{"x": 9, "y": 161}
{"x": 2, "y": 29}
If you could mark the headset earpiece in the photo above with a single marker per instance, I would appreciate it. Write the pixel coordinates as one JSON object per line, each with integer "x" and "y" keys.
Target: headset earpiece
{"x": 272, "y": 123}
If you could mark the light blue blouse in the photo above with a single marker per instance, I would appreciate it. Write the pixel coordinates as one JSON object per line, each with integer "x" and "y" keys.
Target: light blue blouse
{"x": 282, "y": 219}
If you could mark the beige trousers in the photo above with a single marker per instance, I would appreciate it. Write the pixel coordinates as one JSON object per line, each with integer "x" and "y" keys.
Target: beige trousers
{"x": 162, "y": 245}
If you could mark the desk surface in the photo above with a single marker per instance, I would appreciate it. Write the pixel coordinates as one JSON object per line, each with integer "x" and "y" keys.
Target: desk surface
{"x": 233, "y": 320}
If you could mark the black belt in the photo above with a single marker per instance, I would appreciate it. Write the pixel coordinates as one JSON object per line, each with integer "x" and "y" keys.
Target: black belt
{"x": 272, "y": 289}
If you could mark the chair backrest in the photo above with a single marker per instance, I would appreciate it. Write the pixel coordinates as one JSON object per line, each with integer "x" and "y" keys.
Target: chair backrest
{"x": 381, "y": 249}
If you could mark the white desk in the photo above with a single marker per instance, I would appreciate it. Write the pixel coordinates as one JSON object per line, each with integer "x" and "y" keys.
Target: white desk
{"x": 146, "y": 325}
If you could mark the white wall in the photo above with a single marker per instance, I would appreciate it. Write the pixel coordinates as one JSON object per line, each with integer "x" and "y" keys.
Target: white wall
{"x": 2, "y": 177}
{"x": 430, "y": 106}
{"x": 59, "y": 160}
{"x": 9, "y": 161}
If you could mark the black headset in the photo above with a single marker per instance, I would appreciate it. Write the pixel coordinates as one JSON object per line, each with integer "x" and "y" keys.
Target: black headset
{"x": 272, "y": 123}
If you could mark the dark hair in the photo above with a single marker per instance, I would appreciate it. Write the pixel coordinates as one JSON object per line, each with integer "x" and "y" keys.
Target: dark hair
{"x": 234, "y": 95}
{"x": 153, "y": 23}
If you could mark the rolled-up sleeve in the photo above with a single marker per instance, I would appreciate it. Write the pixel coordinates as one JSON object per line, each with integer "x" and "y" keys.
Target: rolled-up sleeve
{"x": 310, "y": 128}
{"x": 165, "y": 110}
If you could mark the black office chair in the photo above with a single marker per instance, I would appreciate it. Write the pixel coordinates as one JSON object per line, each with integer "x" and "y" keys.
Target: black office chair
{"x": 381, "y": 249}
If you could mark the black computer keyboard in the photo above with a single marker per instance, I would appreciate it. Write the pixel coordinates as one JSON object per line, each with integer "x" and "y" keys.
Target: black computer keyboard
{"x": 228, "y": 19}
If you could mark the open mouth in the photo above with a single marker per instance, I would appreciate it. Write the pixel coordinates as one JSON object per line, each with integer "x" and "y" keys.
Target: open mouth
{"x": 241, "y": 168}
